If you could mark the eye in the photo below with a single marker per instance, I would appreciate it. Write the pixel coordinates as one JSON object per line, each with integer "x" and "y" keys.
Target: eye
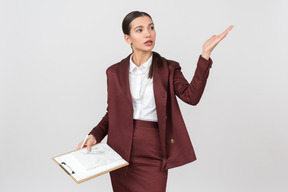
{"x": 139, "y": 30}
{"x": 152, "y": 28}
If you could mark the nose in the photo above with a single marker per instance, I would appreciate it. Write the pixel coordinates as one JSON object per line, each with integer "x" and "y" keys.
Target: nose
{"x": 147, "y": 33}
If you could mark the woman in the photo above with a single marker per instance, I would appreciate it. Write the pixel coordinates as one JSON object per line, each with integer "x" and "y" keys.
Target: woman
{"x": 143, "y": 120}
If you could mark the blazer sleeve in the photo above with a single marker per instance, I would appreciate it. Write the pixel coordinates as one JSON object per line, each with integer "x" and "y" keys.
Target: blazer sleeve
{"x": 101, "y": 130}
{"x": 191, "y": 92}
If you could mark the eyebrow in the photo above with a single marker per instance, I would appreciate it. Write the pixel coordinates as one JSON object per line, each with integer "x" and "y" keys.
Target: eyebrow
{"x": 141, "y": 26}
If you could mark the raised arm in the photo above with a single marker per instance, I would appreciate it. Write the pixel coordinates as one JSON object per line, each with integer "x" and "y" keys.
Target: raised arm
{"x": 191, "y": 92}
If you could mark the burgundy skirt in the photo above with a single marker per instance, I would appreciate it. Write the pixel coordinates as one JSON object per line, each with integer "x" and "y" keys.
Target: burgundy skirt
{"x": 144, "y": 170}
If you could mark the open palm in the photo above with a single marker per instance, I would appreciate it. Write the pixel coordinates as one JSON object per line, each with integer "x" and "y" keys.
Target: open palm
{"x": 211, "y": 43}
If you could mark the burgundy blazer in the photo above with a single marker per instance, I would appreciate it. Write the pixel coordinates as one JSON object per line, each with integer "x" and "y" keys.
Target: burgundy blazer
{"x": 167, "y": 83}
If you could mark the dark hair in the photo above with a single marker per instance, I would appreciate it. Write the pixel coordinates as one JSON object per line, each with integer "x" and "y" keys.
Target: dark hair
{"x": 129, "y": 18}
{"x": 156, "y": 63}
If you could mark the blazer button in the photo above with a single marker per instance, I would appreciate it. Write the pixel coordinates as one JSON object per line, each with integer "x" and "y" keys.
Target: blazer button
{"x": 171, "y": 141}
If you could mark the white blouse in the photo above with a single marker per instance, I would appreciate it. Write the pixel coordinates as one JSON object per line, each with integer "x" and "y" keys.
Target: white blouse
{"x": 142, "y": 93}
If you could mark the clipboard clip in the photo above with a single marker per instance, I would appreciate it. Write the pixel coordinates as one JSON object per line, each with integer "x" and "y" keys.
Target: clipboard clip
{"x": 66, "y": 168}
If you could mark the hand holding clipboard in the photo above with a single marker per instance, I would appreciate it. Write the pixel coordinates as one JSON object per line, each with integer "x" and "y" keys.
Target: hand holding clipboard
{"x": 88, "y": 141}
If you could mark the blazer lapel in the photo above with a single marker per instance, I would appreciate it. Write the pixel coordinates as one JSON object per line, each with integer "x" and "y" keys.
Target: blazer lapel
{"x": 123, "y": 77}
{"x": 160, "y": 87}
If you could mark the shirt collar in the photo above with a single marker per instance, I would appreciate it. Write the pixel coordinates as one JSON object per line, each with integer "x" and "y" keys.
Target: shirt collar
{"x": 133, "y": 67}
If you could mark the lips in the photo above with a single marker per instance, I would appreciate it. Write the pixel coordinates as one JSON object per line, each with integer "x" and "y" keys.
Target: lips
{"x": 148, "y": 43}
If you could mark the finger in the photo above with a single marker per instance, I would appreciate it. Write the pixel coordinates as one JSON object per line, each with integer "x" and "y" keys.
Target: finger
{"x": 88, "y": 145}
{"x": 229, "y": 29}
{"x": 79, "y": 146}
{"x": 214, "y": 40}
{"x": 223, "y": 34}
{"x": 211, "y": 39}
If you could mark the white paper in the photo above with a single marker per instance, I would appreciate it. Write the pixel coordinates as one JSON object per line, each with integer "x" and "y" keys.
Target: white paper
{"x": 86, "y": 164}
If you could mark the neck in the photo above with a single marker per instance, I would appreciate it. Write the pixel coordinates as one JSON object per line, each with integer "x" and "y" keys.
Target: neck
{"x": 141, "y": 57}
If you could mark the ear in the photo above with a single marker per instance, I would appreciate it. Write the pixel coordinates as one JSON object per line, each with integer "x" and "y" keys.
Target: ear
{"x": 127, "y": 39}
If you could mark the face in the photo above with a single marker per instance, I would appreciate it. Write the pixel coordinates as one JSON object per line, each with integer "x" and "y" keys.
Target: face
{"x": 142, "y": 34}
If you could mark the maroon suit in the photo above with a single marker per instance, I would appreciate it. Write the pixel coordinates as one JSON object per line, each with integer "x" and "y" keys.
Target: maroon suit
{"x": 168, "y": 82}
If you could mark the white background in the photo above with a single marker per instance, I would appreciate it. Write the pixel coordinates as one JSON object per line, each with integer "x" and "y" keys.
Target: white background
{"x": 53, "y": 57}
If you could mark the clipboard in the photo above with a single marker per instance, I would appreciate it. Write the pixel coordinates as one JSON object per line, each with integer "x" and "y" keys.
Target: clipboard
{"x": 82, "y": 165}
